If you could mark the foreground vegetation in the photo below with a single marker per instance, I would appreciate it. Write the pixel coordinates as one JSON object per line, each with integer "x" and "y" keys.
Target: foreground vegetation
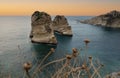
{"x": 74, "y": 65}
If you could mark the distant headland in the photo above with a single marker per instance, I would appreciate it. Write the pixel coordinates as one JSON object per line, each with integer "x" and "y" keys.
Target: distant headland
{"x": 111, "y": 19}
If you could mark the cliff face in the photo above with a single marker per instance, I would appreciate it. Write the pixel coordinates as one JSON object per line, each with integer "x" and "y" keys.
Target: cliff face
{"x": 41, "y": 31}
{"x": 60, "y": 24}
{"x": 111, "y": 19}
{"x": 113, "y": 75}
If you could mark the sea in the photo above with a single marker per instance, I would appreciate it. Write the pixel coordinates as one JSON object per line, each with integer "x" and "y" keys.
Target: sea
{"x": 16, "y": 47}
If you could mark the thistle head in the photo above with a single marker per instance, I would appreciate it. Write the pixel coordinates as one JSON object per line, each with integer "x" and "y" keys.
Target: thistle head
{"x": 83, "y": 66}
{"x": 90, "y": 57}
{"x": 87, "y": 41}
{"x": 75, "y": 52}
{"x": 27, "y": 66}
{"x": 52, "y": 50}
{"x": 68, "y": 57}
{"x": 102, "y": 65}
{"x": 118, "y": 73}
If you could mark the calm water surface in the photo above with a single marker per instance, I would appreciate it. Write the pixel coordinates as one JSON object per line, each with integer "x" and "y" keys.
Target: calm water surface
{"x": 14, "y": 32}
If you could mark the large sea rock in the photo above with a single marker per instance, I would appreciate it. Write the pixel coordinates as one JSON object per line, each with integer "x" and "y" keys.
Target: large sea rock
{"x": 60, "y": 25}
{"x": 41, "y": 31}
{"x": 111, "y": 19}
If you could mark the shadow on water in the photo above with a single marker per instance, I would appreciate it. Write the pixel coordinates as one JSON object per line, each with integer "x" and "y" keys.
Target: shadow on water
{"x": 63, "y": 39}
{"x": 64, "y": 45}
{"x": 111, "y": 29}
{"x": 40, "y": 50}
{"x": 107, "y": 28}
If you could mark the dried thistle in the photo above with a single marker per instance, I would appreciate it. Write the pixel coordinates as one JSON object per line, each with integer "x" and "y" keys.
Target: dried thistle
{"x": 83, "y": 66}
{"x": 68, "y": 58}
{"x": 90, "y": 58}
{"x": 66, "y": 75}
{"x": 102, "y": 65}
{"x": 87, "y": 41}
{"x": 52, "y": 50}
{"x": 75, "y": 52}
{"x": 27, "y": 66}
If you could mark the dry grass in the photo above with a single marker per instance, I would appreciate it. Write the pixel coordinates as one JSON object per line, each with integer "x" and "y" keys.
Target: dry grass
{"x": 73, "y": 65}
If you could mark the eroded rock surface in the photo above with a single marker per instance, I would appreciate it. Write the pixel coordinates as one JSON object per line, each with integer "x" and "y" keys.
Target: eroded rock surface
{"x": 43, "y": 27}
{"x": 60, "y": 24}
{"x": 41, "y": 31}
{"x": 111, "y": 19}
{"x": 113, "y": 75}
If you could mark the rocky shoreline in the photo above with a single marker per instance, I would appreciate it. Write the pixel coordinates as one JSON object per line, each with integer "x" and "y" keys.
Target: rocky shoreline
{"x": 43, "y": 28}
{"x": 111, "y": 19}
{"x": 113, "y": 75}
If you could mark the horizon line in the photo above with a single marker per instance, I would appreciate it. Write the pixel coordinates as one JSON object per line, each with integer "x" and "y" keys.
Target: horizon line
{"x": 50, "y": 15}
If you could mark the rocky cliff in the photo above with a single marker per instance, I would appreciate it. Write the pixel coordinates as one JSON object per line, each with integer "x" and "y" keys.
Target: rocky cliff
{"x": 43, "y": 27}
{"x": 113, "y": 75}
{"x": 111, "y": 19}
{"x": 60, "y": 25}
{"x": 41, "y": 31}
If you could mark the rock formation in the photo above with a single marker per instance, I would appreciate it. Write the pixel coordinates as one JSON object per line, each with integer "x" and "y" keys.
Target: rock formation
{"x": 41, "y": 31}
{"x": 43, "y": 28}
{"x": 111, "y": 19}
{"x": 113, "y": 75}
{"x": 60, "y": 25}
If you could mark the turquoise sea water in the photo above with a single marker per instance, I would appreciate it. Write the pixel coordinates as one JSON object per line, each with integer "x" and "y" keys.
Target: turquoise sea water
{"x": 14, "y": 32}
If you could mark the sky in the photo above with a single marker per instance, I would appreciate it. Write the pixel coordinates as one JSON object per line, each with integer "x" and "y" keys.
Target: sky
{"x": 55, "y": 7}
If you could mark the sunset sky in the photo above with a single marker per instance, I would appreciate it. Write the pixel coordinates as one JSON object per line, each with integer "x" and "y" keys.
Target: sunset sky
{"x": 62, "y": 7}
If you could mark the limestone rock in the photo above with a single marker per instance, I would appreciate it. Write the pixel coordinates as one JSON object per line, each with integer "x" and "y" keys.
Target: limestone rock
{"x": 111, "y": 19}
{"x": 41, "y": 31}
{"x": 113, "y": 75}
{"x": 60, "y": 25}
